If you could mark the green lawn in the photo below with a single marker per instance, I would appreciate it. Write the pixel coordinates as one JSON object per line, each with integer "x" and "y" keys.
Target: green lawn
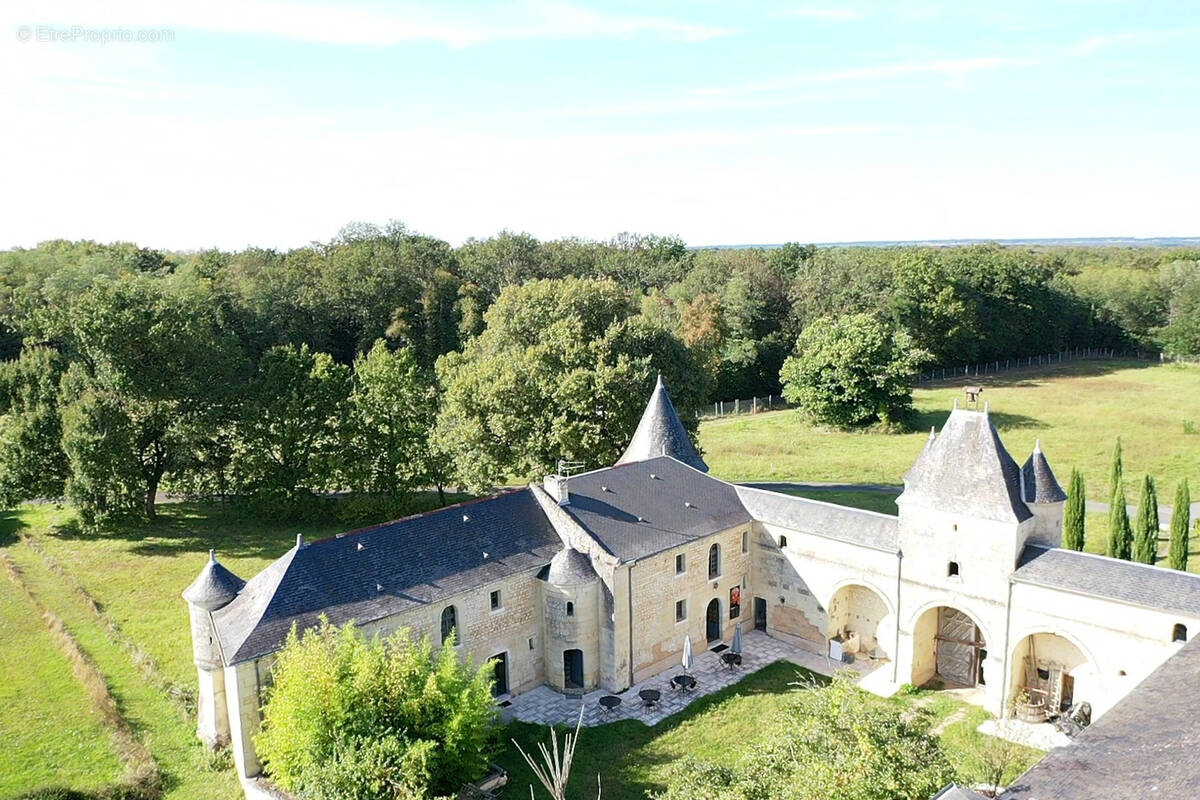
{"x": 882, "y": 502}
{"x": 633, "y": 759}
{"x": 1077, "y": 410}
{"x": 51, "y": 733}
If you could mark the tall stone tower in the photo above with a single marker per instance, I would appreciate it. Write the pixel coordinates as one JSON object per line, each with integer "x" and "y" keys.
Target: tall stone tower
{"x": 214, "y": 588}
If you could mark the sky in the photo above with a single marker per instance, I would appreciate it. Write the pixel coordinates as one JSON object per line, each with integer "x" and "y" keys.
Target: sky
{"x": 273, "y": 123}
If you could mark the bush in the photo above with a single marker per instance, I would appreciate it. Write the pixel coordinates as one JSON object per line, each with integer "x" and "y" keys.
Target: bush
{"x": 350, "y": 717}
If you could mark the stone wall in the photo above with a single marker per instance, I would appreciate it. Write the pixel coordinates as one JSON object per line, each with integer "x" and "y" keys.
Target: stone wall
{"x": 657, "y": 636}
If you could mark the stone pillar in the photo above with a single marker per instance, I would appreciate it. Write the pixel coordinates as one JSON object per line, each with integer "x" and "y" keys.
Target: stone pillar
{"x": 212, "y": 713}
{"x": 241, "y": 692}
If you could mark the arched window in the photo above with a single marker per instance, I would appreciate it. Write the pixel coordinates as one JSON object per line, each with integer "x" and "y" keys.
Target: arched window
{"x": 714, "y": 561}
{"x": 1179, "y": 634}
{"x": 782, "y": 541}
{"x": 570, "y": 609}
{"x": 449, "y": 623}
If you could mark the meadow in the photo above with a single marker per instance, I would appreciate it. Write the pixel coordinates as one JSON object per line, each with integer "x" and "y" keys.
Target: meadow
{"x": 1077, "y": 410}
{"x": 115, "y": 593}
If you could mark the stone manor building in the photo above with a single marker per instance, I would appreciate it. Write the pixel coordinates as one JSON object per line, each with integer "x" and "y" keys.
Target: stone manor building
{"x": 594, "y": 580}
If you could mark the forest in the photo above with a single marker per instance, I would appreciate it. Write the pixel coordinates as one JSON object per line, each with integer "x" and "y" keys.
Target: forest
{"x": 385, "y": 361}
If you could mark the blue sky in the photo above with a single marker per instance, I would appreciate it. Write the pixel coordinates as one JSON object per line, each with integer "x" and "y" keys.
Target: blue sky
{"x": 274, "y": 122}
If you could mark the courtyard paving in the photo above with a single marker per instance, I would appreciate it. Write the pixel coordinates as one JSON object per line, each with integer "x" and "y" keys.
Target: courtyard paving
{"x": 545, "y": 706}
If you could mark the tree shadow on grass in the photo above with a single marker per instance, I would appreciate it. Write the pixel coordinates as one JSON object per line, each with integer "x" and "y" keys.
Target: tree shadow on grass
{"x": 11, "y": 525}
{"x": 620, "y": 752}
{"x": 924, "y": 420}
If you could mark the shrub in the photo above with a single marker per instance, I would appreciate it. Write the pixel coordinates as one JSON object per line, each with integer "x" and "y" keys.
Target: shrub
{"x": 351, "y": 717}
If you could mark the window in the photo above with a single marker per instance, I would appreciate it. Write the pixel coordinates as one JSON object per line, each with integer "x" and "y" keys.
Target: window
{"x": 495, "y": 599}
{"x": 714, "y": 561}
{"x": 680, "y": 610}
{"x": 530, "y": 642}
{"x": 952, "y": 569}
{"x": 680, "y": 564}
{"x": 449, "y": 623}
{"x": 570, "y": 609}
{"x": 782, "y": 541}
{"x": 745, "y": 541}
{"x": 1179, "y": 634}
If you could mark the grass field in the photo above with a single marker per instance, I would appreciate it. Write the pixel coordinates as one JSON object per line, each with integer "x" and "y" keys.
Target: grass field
{"x": 1077, "y": 410}
{"x": 51, "y": 733}
{"x": 634, "y": 759}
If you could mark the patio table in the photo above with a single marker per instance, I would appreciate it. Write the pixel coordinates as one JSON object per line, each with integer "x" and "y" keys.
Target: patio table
{"x": 650, "y": 697}
{"x": 684, "y": 683}
{"x": 609, "y": 703}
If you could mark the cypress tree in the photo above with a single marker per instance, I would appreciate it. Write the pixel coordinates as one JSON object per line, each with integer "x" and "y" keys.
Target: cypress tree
{"x": 1116, "y": 478}
{"x": 1180, "y": 520}
{"x": 1145, "y": 531}
{"x": 1120, "y": 534}
{"x": 1073, "y": 514}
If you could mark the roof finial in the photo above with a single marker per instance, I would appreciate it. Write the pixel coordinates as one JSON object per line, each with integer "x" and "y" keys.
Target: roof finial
{"x": 932, "y": 432}
{"x": 658, "y": 384}
{"x": 212, "y": 556}
{"x": 299, "y": 540}
{"x": 1037, "y": 445}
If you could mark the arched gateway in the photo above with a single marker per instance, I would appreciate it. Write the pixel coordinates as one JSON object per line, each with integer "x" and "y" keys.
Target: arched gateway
{"x": 949, "y": 648}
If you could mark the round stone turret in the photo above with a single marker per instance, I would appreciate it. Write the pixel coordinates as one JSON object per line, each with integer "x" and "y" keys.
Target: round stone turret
{"x": 214, "y": 588}
{"x": 1045, "y": 498}
{"x": 571, "y": 605}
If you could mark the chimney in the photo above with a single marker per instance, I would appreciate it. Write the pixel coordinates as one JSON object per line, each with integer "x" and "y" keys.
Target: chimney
{"x": 556, "y": 487}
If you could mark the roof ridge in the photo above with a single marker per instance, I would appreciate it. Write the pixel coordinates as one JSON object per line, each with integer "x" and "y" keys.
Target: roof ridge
{"x": 417, "y": 515}
{"x": 824, "y": 503}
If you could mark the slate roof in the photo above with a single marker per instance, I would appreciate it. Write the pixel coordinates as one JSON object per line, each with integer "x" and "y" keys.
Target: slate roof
{"x": 1039, "y": 482}
{"x": 214, "y": 587}
{"x": 376, "y": 572}
{"x": 1147, "y": 745}
{"x": 966, "y": 469}
{"x": 854, "y": 525}
{"x": 638, "y": 509}
{"x": 1110, "y": 578}
{"x": 660, "y": 433}
{"x": 571, "y": 568}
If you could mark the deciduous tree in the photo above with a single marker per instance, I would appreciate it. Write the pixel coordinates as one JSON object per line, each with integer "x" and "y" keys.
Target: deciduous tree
{"x": 852, "y": 371}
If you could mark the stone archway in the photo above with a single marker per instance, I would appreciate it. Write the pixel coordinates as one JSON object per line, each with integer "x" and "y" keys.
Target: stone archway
{"x": 860, "y": 617}
{"x": 1048, "y": 673}
{"x": 948, "y": 649}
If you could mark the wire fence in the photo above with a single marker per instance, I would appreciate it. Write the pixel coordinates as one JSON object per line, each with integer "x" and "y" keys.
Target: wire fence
{"x": 753, "y": 405}
{"x": 774, "y": 402}
{"x": 1025, "y": 362}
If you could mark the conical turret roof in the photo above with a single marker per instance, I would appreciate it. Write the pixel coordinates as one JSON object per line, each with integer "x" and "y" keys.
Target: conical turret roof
{"x": 1039, "y": 482}
{"x": 661, "y": 433}
{"x": 214, "y": 587}
{"x": 569, "y": 567}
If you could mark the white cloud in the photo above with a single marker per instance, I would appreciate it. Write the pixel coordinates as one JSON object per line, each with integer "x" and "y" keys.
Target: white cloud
{"x": 364, "y": 24}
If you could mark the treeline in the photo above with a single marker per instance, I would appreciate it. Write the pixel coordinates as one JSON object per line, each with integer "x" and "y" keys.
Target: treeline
{"x": 385, "y": 361}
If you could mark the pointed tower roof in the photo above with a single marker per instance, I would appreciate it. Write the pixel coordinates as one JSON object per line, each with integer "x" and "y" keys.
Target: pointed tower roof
{"x": 966, "y": 469}
{"x": 1038, "y": 479}
{"x": 660, "y": 433}
{"x": 214, "y": 587}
